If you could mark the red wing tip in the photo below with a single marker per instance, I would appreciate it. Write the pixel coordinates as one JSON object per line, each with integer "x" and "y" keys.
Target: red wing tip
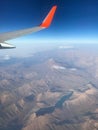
{"x": 55, "y": 6}
{"x": 47, "y": 21}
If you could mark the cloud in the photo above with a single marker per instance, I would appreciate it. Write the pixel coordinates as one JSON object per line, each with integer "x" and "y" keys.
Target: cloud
{"x": 66, "y": 47}
{"x": 7, "y": 57}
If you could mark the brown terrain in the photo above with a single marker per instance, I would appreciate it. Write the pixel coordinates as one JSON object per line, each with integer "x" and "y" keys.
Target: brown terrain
{"x": 52, "y": 90}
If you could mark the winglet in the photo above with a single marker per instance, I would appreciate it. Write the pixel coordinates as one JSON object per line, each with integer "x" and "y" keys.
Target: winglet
{"x": 47, "y": 21}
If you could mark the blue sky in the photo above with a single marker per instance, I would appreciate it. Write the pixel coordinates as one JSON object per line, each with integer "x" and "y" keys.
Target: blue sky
{"x": 75, "y": 20}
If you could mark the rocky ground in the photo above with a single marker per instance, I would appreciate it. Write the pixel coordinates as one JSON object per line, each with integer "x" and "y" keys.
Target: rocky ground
{"x": 52, "y": 90}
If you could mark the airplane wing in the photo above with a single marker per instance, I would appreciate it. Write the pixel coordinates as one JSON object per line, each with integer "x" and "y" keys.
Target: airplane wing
{"x": 12, "y": 35}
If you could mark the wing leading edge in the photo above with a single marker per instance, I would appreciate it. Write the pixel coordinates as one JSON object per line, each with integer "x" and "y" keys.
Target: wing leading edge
{"x": 12, "y": 35}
